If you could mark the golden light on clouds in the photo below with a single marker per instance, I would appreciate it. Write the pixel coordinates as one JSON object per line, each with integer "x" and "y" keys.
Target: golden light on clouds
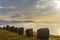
{"x": 58, "y": 32}
{"x": 47, "y": 19}
{"x": 6, "y": 17}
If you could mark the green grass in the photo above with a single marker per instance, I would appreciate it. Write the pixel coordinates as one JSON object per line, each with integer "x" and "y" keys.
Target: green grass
{"x": 6, "y": 35}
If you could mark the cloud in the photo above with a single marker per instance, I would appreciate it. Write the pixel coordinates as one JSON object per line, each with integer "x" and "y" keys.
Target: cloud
{"x": 28, "y": 5}
{"x": 20, "y": 4}
{"x": 16, "y": 15}
{"x": 2, "y": 7}
{"x": 8, "y": 7}
{"x": 26, "y": 9}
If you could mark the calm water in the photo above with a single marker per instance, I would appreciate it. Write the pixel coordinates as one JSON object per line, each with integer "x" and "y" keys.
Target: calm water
{"x": 53, "y": 27}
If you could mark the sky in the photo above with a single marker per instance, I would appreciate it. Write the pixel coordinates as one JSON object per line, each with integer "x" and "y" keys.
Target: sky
{"x": 29, "y": 11}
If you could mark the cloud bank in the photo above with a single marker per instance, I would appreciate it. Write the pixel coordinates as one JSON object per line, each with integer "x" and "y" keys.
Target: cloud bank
{"x": 25, "y": 10}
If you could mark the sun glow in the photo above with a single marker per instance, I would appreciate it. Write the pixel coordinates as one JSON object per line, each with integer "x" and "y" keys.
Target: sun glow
{"x": 57, "y": 3}
{"x": 37, "y": 6}
{"x": 58, "y": 32}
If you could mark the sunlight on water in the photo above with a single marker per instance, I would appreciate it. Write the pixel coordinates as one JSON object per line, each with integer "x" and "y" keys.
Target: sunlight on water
{"x": 53, "y": 27}
{"x": 58, "y": 31}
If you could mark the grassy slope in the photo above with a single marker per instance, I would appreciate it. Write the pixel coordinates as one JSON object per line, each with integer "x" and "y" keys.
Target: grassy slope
{"x": 6, "y": 35}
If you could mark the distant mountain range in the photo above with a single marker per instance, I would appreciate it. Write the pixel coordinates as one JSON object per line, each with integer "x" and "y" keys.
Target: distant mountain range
{"x": 2, "y": 22}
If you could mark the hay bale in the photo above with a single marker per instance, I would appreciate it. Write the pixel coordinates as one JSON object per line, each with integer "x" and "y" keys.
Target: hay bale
{"x": 43, "y": 33}
{"x": 7, "y": 27}
{"x": 21, "y": 31}
{"x": 29, "y": 32}
{"x": 16, "y": 29}
{"x": 4, "y": 27}
{"x": 12, "y": 29}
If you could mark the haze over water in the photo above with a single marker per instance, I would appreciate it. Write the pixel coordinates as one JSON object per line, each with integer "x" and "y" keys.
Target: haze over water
{"x": 53, "y": 27}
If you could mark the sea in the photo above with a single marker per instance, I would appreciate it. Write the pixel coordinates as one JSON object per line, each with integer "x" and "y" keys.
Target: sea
{"x": 54, "y": 27}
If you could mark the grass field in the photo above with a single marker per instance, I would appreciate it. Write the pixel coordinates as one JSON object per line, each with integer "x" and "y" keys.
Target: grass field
{"x": 6, "y": 35}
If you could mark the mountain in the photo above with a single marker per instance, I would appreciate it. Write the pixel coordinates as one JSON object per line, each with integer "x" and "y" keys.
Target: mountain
{"x": 2, "y": 22}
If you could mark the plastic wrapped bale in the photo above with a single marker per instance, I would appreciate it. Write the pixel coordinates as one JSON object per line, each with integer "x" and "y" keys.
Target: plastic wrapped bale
{"x": 7, "y": 27}
{"x": 20, "y": 30}
{"x": 12, "y": 29}
{"x": 43, "y": 34}
{"x": 4, "y": 27}
{"x": 16, "y": 29}
{"x": 29, "y": 32}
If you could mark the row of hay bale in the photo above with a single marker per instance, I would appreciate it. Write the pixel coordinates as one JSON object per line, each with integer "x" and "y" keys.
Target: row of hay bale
{"x": 14, "y": 29}
{"x": 42, "y": 33}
